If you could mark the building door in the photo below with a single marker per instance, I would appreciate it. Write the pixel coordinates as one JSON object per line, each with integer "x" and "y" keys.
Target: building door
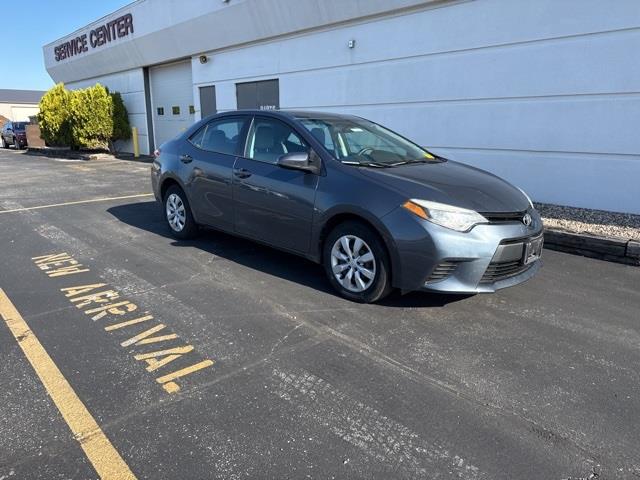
{"x": 172, "y": 100}
{"x": 208, "y": 101}
{"x": 263, "y": 95}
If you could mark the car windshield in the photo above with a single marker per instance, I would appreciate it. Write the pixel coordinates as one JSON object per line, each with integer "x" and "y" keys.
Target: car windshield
{"x": 361, "y": 142}
{"x": 20, "y": 125}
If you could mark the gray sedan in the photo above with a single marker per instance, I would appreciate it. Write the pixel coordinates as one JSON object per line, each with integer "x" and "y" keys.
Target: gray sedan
{"x": 377, "y": 210}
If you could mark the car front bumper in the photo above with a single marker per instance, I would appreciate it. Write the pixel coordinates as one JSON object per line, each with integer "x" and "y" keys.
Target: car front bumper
{"x": 433, "y": 258}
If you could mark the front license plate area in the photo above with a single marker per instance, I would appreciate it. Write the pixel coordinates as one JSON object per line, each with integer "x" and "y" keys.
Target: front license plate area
{"x": 533, "y": 250}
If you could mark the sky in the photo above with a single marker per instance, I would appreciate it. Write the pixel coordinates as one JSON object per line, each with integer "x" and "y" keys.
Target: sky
{"x": 41, "y": 22}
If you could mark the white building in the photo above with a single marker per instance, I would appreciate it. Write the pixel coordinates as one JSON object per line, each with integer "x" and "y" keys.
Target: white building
{"x": 545, "y": 93}
{"x": 19, "y": 105}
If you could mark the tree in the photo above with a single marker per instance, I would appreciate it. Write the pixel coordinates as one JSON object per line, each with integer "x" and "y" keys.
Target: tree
{"x": 121, "y": 126}
{"x": 55, "y": 117}
{"x": 92, "y": 117}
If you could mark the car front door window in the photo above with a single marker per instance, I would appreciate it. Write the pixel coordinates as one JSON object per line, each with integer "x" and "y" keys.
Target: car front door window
{"x": 270, "y": 139}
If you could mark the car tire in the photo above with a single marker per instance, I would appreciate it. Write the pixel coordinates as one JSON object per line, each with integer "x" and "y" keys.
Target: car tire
{"x": 4, "y": 144}
{"x": 356, "y": 262}
{"x": 177, "y": 213}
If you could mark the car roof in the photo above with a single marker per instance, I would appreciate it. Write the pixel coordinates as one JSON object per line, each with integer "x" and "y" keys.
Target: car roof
{"x": 292, "y": 114}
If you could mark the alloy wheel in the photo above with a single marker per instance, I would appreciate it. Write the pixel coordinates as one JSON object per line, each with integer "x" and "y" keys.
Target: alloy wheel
{"x": 176, "y": 213}
{"x": 353, "y": 263}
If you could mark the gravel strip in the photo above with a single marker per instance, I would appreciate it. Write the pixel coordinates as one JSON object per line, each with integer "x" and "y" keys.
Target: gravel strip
{"x": 624, "y": 226}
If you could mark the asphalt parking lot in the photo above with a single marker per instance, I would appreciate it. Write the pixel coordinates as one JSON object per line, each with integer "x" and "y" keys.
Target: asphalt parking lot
{"x": 220, "y": 358}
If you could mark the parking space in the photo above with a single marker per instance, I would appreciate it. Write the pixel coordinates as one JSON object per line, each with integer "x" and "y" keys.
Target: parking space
{"x": 221, "y": 358}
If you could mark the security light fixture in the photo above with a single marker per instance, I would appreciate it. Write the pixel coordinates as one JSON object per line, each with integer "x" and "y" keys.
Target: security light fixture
{"x": 204, "y": 59}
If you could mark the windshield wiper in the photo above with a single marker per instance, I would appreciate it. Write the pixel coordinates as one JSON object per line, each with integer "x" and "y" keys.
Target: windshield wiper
{"x": 367, "y": 164}
{"x": 408, "y": 162}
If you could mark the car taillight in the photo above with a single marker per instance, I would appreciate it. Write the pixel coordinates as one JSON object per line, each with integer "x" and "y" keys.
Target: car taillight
{"x": 156, "y": 153}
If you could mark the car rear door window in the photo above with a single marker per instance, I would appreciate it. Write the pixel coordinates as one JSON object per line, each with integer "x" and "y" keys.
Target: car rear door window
{"x": 196, "y": 138}
{"x": 220, "y": 136}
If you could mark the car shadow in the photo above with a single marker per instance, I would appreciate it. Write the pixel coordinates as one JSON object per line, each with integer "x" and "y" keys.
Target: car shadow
{"x": 148, "y": 216}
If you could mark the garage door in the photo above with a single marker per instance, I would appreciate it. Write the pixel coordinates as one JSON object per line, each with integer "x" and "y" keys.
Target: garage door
{"x": 172, "y": 100}
{"x": 263, "y": 95}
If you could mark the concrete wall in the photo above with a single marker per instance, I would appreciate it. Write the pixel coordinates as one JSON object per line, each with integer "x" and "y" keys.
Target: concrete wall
{"x": 131, "y": 85}
{"x": 18, "y": 111}
{"x": 542, "y": 93}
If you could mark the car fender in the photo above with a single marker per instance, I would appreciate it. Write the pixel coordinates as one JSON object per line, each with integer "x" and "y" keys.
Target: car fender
{"x": 319, "y": 231}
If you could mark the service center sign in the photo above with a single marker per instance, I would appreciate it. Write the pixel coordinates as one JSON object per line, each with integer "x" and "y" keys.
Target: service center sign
{"x": 118, "y": 28}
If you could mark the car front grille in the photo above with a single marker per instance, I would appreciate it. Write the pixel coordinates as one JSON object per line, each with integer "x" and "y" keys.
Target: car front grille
{"x": 442, "y": 270}
{"x": 497, "y": 271}
{"x": 509, "y": 217}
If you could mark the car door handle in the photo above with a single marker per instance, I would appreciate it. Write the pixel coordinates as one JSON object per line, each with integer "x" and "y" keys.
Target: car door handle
{"x": 186, "y": 158}
{"x": 241, "y": 172}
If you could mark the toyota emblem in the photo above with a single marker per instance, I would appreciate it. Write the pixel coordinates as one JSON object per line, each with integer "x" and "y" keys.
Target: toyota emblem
{"x": 527, "y": 220}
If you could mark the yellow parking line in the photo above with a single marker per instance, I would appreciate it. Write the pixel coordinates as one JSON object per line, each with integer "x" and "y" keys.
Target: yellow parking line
{"x": 79, "y": 202}
{"x": 103, "y": 456}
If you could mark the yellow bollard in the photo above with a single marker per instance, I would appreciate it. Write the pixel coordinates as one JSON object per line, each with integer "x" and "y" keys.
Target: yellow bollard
{"x": 136, "y": 144}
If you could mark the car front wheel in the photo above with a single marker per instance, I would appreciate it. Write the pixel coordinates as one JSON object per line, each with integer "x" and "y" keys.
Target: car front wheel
{"x": 178, "y": 214}
{"x": 356, "y": 263}
{"x": 4, "y": 144}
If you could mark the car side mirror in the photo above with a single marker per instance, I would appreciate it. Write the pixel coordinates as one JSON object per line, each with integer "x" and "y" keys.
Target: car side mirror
{"x": 298, "y": 161}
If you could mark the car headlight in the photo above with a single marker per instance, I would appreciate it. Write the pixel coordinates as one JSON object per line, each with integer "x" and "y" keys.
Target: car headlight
{"x": 455, "y": 218}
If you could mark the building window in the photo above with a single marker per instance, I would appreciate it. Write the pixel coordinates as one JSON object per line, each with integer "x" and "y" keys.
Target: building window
{"x": 160, "y": 110}
{"x": 192, "y": 109}
{"x": 175, "y": 110}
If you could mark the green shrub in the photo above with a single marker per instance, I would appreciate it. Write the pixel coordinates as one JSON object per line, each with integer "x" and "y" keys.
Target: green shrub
{"x": 121, "y": 127}
{"x": 86, "y": 118}
{"x": 92, "y": 117}
{"x": 55, "y": 117}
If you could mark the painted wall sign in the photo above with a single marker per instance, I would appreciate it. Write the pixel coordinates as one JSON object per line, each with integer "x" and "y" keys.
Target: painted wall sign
{"x": 118, "y": 28}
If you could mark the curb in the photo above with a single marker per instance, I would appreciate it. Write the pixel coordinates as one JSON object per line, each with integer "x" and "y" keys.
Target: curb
{"x": 603, "y": 248}
{"x": 130, "y": 158}
{"x": 87, "y": 156}
{"x": 68, "y": 154}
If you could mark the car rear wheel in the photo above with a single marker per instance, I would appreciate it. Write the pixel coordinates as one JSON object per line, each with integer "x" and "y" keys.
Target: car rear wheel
{"x": 357, "y": 263}
{"x": 178, "y": 214}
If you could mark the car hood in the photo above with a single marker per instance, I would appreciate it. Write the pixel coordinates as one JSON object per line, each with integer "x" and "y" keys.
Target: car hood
{"x": 452, "y": 183}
